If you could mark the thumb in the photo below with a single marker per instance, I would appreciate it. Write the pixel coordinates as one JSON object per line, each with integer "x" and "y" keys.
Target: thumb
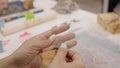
{"x": 61, "y": 55}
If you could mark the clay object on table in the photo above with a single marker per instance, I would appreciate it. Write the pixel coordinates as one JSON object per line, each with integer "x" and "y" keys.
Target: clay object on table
{"x": 106, "y": 18}
{"x": 28, "y": 4}
{"x": 110, "y": 21}
{"x": 66, "y": 6}
{"x": 114, "y": 27}
{"x": 14, "y": 8}
{"x": 47, "y": 57}
{"x": 11, "y": 9}
{"x": 29, "y": 15}
{"x": 41, "y": 18}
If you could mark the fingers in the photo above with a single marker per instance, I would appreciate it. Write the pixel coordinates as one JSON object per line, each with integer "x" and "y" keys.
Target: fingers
{"x": 39, "y": 45}
{"x": 71, "y": 43}
{"x": 61, "y": 55}
{"x": 62, "y": 39}
{"x": 76, "y": 59}
{"x": 74, "y": 56}
{"x": 56, "y": 30}
{"x": 61, "y": 28}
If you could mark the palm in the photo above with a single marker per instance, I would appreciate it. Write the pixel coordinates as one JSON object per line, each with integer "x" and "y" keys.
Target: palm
{"x": 27, "y": 56}
{"x": 35, "y": 63}
{"x": 31, "y": 57}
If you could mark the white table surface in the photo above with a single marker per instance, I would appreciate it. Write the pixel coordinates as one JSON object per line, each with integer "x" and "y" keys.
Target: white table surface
{"x": 15, "y": 41}
{"x": 105, "y": 56}
{"x": 86, "y": 20}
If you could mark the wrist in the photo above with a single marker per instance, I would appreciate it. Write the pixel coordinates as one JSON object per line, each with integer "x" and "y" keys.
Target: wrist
{"x": 7, "y": 63}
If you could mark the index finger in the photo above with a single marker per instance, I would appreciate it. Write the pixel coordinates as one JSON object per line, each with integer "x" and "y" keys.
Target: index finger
{"x": 74, "y": 56}
{"x": 76, "y": 59}
{"x": 56, "y": 30}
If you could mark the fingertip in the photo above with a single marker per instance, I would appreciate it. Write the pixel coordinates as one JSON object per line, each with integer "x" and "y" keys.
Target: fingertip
{"x": 75, "y": 42}
{"x": 62, "y": 28}
{"x": 73, "y": 35}
{"x": 72, "y": 43}
{"x": 70, "y": 35}
{"x": 74, "y": 55}
{"x": 71, "y": 53}
{"x": 77, "y": 57}
{"x": 66, "y": 24}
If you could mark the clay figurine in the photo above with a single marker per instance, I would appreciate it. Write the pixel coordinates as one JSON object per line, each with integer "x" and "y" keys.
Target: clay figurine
{"x": 28, "y": 4}
{"x": 66, "y": 6}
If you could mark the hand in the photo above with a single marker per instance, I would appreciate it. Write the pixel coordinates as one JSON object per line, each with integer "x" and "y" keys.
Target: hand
{"x": 67, "y": 59}
{"x": 27, "y": 56}
{"x": 3, "y": 4}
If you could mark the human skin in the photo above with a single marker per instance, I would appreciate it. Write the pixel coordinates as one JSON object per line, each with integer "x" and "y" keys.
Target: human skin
{"x": 66, "y": 58}
{"x": 28, "y": 54}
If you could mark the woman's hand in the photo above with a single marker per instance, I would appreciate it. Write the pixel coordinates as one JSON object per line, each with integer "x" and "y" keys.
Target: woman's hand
{"x": 27, "y": 56}
{"x": 67, "y": 59}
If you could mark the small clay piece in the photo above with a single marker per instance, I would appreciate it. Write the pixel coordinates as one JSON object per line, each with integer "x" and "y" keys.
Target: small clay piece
{"x": 106, "y": 18}
{"x": 110, "y": 21}
{"x": 66, "y": 6}
{"x": 47, "y": 57}
{"x": 28, "y": 4}
{"x": 11, "y": 9}
{"x": 114, "y": 27}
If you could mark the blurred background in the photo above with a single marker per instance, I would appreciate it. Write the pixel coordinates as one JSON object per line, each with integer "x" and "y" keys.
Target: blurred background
{"x": 96, "y": 6}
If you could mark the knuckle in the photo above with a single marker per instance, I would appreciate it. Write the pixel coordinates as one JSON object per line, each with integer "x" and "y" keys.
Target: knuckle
{"x": 45, "y": 42}
{"x": 58, "y": 39}
{"x": 63, "y": 50}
